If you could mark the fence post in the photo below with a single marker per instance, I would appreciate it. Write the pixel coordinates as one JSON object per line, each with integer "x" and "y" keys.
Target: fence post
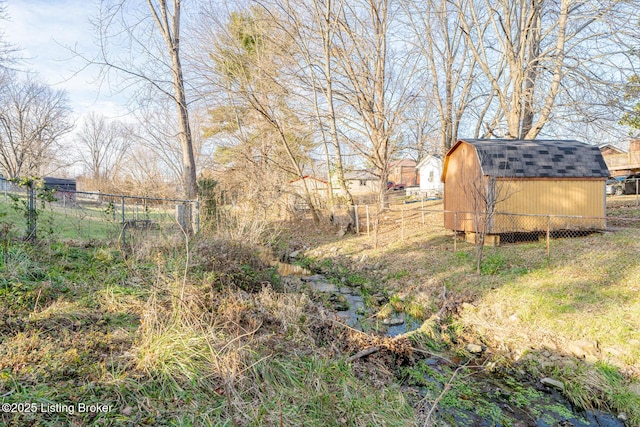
{"x": 122, "y": 236}
{"x": 197, "y": 216}
{"x": 636, "y": 192}
{"x": 402, "y": 225}
{"x": 31, "y": 217}
{"x": 355, "y": 208}
{"x": 367, "y": 210}
{"x": 548, "y": 235}
{"x": 422, "y": 207}
{"x": 455, "y": 231}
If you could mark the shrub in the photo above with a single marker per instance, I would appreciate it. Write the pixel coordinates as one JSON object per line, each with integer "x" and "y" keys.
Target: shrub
{"x": 233, "y": 264}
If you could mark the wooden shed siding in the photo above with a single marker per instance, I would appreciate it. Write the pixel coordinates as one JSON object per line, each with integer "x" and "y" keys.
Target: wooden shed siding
{"x": 556, "y": 197}
{"x": 461, "y": 176}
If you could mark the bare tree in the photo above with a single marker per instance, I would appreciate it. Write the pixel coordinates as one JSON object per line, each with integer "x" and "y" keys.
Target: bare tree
{"x": 7, "y": 49}
{"x": 152, "y": 35}
{"x": 373, "y": 93}
{"x": 33, "y": 118}
{"x": 450, "y": 67}
{"x": 534, "y": 53}
{"x": 143, "y": 175}
{"x": 421, "y": 131}
{"x": 327, "y": 24}
{"x": 157, "y": 131}
{"x": 483, "y": 194}
{"x": 311, "y": 27}
{"x": 103, "y": 146}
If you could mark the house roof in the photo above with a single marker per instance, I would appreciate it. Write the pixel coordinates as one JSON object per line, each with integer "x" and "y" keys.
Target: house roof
{"x": 403, "y": 163}
{"x": 612, "y": 148}
{"x": 426, "y": 159}
{"x": 68, "y": 183}
{"x": 537, "y": 158}
{"x": 364, "y": 175}
{"x": 307, "y": 177}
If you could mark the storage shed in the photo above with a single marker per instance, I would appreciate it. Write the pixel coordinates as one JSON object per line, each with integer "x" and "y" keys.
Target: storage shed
{"x": 532, "y": 185}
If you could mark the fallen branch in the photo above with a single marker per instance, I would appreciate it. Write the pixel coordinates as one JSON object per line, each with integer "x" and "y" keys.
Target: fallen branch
{"x": 445, "y": 389}
{"x": 429, "y": 353}
{"x": 363, "y": 353}
{"x": 405, "y": 335}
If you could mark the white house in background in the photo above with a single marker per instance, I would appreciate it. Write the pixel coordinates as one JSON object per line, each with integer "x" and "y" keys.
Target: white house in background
{"x": 360, "y": 183}
{"x": 430, "y": 171}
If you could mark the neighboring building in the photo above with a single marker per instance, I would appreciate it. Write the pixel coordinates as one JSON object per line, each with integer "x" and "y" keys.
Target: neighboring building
{"x": 610, "y": 150}
{"x": 360, "y": 183}
{"x": 429, "y": 174}
{"x": 539, "y": 177}
{"x": 318, "y": 189}
{"x": 60, "y": 184}
{"x": 621, "y": 162}
{"x": 403, "y": 172}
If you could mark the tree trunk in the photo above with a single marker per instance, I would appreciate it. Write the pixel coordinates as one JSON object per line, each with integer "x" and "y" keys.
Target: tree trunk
{"x": 169, "y": 26}
{"x": 333, "y": 129}
{"x": 186, "y": 140}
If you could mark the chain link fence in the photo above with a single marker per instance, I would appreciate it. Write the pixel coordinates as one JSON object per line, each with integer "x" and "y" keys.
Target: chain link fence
{"x": 70, "y": 214}
{"x": 82, "y": 215}
{"x": 427, "y": 218}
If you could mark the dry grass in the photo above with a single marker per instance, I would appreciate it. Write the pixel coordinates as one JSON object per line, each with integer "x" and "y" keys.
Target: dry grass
{"x": 161, "y": 348}
{"x": 259, "y": 353}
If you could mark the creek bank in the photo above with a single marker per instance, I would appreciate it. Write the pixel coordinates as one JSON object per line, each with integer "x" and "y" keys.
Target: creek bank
{"x": 481, "y": 399}
{"x": 477, "y": 397}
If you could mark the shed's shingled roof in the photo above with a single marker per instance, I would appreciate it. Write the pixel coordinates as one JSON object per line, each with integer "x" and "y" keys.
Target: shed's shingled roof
{"x": 539, "y": 158}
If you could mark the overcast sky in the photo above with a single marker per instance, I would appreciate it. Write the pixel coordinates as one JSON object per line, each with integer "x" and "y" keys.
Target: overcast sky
{"x": 41, "y": 29}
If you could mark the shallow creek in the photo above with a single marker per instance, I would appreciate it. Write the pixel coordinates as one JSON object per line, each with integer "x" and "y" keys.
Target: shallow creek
{"x": 349, "y": 304}
{"x": 492, "y": 400}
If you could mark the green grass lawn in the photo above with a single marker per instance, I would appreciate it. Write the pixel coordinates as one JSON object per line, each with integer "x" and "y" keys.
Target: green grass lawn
{"x": 83, "y": 221}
